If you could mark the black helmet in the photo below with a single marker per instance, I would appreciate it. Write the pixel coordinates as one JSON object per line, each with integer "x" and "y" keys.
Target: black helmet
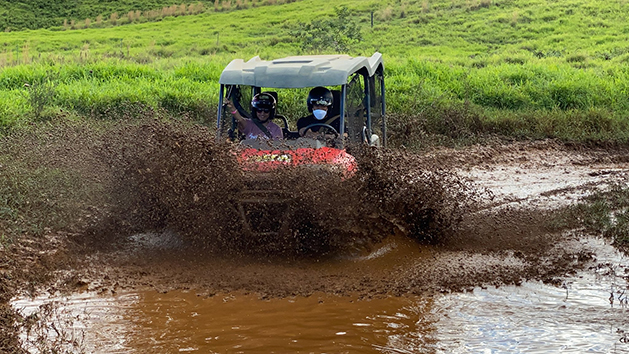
{"x": 320, "y": 96}
{"x": 263, "y": 101}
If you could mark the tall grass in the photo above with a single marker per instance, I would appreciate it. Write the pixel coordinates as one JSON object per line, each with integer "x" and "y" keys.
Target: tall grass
{"x": 110, "y": 90}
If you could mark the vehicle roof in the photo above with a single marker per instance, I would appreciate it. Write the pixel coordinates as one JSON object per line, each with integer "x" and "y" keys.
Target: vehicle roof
{"x": 298, "y": 71}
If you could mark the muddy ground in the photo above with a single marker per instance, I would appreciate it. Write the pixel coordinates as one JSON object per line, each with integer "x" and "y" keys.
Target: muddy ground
{"x": 506, "y": 236}
{"x": 488, "y": 218}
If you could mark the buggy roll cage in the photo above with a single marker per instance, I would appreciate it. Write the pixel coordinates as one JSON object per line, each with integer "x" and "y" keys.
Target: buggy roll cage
{"x": 362, "y": 101}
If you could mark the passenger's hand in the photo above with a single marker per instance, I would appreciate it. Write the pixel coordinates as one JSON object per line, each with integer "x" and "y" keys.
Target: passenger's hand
{"x": 230, "y": 106}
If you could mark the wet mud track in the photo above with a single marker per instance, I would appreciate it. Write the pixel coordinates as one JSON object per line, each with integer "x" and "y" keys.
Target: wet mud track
{"x": 502, "y": 198}
{"x": 506, "y": 281}
{"x": 506, "y": 240}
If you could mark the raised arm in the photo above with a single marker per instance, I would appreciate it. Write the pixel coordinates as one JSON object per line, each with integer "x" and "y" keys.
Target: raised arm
{"x": 239, "y": 118}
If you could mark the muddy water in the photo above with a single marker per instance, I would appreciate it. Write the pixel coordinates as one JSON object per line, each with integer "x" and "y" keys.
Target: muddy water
{"x": 588, "y": 312}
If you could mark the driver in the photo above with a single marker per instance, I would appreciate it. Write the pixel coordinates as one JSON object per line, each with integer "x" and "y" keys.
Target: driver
{"x": 260, "y": 126}
{"x": 319, "y": 102}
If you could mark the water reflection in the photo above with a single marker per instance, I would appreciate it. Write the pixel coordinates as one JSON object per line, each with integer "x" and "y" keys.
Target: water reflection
{"x": 588, "y": 313}
{"x": 532, "y": 318}
{"x": 81, "y": 323}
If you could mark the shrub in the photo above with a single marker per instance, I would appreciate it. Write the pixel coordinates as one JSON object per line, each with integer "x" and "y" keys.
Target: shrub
{"x": 385, "y": 14}
{"x": 576, "y": 58}
{"x": 40, "y": 93}
{"x": 570, "y": 96}
{"x": 337, "y": 33}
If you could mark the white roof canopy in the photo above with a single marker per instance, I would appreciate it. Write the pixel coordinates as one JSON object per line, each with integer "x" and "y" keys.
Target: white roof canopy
{"x": 298, "y": 71}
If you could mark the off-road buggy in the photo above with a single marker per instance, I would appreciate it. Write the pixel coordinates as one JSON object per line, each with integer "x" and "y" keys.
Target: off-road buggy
{"x": 357, "y": 84}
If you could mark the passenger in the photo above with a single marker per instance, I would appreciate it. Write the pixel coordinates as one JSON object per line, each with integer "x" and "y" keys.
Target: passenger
{"x": 319, "y": 102}
{"x": 262, "y": 112}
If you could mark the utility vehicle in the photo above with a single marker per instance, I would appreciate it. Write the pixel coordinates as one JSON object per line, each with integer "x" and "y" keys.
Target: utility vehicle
{"x": 357, "y": 84}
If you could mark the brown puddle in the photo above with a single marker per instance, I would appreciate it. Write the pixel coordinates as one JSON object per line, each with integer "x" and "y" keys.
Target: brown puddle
{"x": 151, "y": 322}
{"x": 587, "y": 313}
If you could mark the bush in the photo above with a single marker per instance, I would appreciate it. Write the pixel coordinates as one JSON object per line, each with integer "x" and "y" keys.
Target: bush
{"x": 40, "y": 93}
{"x": 337, "y": 34}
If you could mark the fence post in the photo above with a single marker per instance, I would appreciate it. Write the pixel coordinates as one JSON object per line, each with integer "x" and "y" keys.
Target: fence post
{"x": 371, "y": 19}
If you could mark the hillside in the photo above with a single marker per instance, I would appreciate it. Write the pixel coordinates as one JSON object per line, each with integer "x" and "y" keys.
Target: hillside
{"x": 445, "y": 28}
{"x": 34, "y": 14}
{"x": 524, "y": 68}
{"x": 440, "y": 27}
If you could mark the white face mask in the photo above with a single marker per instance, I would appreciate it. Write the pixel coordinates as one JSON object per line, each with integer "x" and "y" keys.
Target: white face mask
{"x": 319, "y": 113}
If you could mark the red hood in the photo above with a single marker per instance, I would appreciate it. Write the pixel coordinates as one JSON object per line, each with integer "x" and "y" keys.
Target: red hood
{"x": 251, "y": 159}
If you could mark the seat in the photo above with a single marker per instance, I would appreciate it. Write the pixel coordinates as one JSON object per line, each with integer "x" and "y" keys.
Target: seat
{"x": 335, "y": 109}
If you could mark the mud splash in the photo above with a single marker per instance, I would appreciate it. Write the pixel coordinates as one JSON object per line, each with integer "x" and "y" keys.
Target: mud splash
{"x": 171, "y": 184}
{"x": 159, "y": 176}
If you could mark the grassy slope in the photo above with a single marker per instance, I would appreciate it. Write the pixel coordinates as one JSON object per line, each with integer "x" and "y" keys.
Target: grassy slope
{"x": 448, "y": 30}
{"x": 529, "y": 68}
{"x": 34, "y": 14}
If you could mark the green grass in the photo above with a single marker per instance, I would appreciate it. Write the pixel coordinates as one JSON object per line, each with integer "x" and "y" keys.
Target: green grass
{"x": 528, "y": 69}
{"x": 33, "y": 14}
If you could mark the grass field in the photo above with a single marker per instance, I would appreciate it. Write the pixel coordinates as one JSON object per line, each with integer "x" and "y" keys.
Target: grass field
{"x": 459, "y": 68}
{"x": 34, "y": 14}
